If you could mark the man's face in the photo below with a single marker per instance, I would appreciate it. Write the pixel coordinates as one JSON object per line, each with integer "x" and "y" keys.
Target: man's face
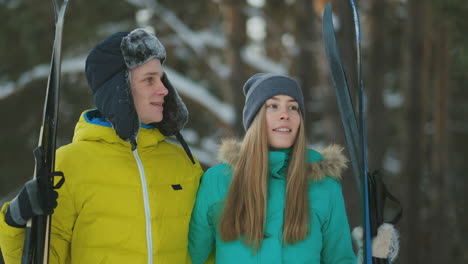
{"x": 148, "y": 91}
{"x": 282, "y": 121}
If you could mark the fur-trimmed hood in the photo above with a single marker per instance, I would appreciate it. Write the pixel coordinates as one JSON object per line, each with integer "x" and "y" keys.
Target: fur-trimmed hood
{"x": 331, "y": 163}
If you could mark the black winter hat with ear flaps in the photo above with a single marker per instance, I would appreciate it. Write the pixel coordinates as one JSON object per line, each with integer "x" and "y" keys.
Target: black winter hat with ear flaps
{"x": 107, "y": 70}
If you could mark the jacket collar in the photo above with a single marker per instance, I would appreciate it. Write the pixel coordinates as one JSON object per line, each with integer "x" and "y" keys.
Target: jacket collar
{"x": 278, "y": 160}
{"x": 93, "y": 127}
{"x": 326, "y": 162}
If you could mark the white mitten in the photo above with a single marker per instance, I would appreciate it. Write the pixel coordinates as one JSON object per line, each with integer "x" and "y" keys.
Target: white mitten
{"x": 385, "y": 245}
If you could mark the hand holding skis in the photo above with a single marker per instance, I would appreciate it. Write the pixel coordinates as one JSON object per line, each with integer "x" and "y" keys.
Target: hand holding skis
{"x": 36, "y": 242}
{"x": 32, "y": 200}
{"x": 385, "y": 245}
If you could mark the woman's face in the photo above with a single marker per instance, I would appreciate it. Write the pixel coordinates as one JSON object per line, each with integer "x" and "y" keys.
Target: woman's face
{"x": 148, "y": 91}
{"x": 282, "y": 121}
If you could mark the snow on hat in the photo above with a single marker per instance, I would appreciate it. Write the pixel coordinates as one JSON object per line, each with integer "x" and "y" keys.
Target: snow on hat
{"x": 262, "y": 86}
{"x": 107, "y": 71}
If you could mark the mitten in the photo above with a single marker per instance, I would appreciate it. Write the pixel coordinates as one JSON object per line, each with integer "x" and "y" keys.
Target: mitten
{"x": 32, "y": 200}
{"x": 384, "y": 245}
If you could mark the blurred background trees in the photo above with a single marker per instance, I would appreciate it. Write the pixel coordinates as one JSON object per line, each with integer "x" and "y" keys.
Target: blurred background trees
{"x": 415, "y": 61}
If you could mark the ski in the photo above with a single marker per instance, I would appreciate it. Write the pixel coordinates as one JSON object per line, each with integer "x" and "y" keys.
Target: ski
{"x": 370, "y": 226}
{"x": 354, "y": 134}
{"x": 36, "y": 242}
{"x": 374, "y": 193}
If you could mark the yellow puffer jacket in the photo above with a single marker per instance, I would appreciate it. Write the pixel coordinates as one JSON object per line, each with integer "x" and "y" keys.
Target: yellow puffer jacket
{"x": 100, "y": 216}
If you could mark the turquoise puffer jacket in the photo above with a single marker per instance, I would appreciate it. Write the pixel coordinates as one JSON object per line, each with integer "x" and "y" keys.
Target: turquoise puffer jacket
{"x": 329, "y": 241}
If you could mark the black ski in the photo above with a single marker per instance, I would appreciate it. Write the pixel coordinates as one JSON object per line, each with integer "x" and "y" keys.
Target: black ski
{"x": 355, "y": 135}
{"x": 36, "y": 243}
{"x": 374, "y": 193}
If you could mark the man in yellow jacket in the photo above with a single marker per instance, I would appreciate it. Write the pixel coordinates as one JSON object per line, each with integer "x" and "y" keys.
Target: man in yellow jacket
{"x": 129, "y": 193}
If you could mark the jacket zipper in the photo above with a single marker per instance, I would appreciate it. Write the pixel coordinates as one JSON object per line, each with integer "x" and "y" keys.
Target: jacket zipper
{"x": 144, "y": 186}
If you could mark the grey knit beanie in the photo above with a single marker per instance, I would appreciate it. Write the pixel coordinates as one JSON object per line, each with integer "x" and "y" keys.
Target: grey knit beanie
{"x": 262, "y": 86}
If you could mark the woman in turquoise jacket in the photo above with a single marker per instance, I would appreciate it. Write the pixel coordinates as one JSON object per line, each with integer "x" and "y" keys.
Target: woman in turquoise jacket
{"x": 273, "y": 200}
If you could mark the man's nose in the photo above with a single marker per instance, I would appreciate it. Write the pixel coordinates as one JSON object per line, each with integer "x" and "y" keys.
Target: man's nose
{"x": 161, "y": 89}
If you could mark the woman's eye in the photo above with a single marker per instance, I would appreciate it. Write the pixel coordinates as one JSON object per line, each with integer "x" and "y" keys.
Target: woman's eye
{"x": 271, "y": 106}
{"x": 293, "y": 107}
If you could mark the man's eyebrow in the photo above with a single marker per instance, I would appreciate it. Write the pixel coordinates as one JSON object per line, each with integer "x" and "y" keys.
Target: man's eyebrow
{"x": 153, "y": 73}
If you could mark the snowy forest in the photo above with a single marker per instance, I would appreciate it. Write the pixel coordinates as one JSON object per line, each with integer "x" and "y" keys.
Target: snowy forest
{"x": 415, "y": 61}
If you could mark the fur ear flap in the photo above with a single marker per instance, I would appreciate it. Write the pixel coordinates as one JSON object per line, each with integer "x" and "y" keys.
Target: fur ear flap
{"x": 175, "y": 114}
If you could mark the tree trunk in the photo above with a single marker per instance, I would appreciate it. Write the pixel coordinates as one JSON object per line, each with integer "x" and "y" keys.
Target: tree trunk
{"x": 235, "y": 30}
{"x": 415, "y": 145}
{"x": 374, "y": 84}
{"x": 442, "y": 208}
{"x": 304, "y": 61}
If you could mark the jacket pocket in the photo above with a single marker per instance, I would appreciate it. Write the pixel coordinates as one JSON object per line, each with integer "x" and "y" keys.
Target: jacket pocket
{"x": 174, "y": 199}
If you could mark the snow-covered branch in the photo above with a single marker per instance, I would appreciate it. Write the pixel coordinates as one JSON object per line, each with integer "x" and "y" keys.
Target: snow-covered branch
{"x": 41, "y": 71}
{"x": 184, "y": 85}
{"x": 196, "y": 40}
{"x": 199, "y": 41}
{"x": 260, "y": 62}
{"x": 200, "y": 95}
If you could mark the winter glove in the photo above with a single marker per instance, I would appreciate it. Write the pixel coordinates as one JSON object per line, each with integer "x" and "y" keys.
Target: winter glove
{"x": 32, "y": 200}
{"x": 385, "y": 245}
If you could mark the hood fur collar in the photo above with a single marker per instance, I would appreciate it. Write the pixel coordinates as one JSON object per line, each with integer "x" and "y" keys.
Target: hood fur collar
{"x": 332, "y": 164}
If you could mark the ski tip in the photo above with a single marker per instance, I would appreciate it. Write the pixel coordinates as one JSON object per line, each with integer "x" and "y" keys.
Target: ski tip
{"x": 327, "y": 20}
{"x": 327, "y": 11}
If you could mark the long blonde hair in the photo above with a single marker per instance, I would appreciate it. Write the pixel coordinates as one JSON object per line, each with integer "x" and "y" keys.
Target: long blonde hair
{"x": 245, "y": 205}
